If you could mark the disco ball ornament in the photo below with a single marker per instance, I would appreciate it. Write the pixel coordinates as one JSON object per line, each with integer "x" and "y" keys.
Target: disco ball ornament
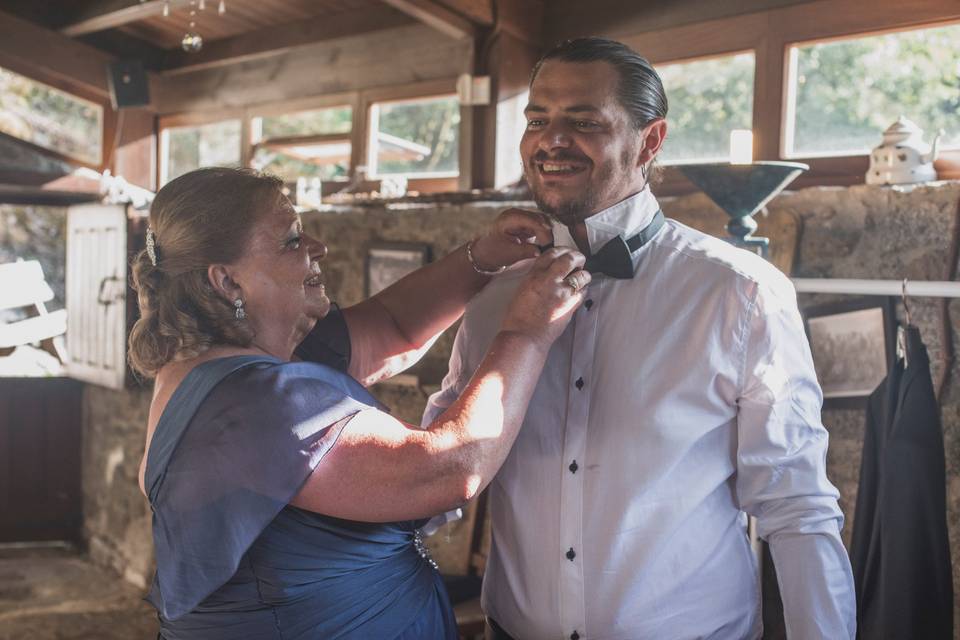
{"x": 192, "y": 42}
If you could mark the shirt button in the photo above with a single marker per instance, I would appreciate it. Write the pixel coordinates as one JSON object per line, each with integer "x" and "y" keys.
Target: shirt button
{"x": 579, "y": 383}
{"x": 571, "y": 554}
{"x": 587, "y": 304}
{"x": 574, "y": 636}
{"x": 573, "y": 467}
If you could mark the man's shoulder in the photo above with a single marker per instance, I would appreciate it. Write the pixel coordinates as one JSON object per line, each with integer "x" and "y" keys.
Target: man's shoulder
{"x": 717, "y": 258}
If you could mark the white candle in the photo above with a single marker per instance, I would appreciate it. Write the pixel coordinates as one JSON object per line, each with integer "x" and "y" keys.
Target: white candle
{"x": 741, "y": 146}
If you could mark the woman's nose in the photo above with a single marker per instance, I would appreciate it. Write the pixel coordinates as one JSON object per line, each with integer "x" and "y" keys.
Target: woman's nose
{"x": 318, "y": 250}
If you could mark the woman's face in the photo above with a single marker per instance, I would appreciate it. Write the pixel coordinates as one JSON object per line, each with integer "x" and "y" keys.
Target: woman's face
{"x": 279, "y": 278}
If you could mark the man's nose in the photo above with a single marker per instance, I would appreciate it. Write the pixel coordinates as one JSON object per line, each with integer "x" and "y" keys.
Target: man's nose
{"x": 555, "y": 136}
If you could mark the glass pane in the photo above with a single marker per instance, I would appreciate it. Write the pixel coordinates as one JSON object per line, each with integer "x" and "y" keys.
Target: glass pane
{"x": 416, "y": 138}
{"x": 326, "y": 161}
{"x": 707, "y": 99}
{"x": 50, "y": 118}
{"x": 208, "y": 145}
{"x": 847, "y": 92}
{"x": 305, "y": 123}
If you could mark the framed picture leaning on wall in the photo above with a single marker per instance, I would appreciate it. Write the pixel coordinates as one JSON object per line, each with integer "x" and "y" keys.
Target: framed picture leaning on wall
{"x": 387, "y": 262}
{"x": 852, "y": 343}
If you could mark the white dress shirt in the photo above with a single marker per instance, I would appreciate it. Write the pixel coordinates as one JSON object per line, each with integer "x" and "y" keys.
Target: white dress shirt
{"x": 673, "y": 405}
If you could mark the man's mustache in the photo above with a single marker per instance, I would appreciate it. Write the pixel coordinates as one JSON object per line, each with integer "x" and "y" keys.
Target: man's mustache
{"x": 562, "y": 156}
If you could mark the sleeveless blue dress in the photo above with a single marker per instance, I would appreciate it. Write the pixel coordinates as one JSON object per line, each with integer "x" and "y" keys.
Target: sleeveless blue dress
{"x": 237, "y": 440}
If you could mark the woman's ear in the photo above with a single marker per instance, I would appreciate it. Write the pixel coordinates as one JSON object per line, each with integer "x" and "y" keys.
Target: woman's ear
{"x": 654, "y": 135}
{"x": 221, "y": 279}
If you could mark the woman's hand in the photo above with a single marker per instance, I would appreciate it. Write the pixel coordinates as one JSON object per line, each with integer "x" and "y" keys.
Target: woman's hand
{"x": 552, "y": 291}
{"x": 512, "y": 237}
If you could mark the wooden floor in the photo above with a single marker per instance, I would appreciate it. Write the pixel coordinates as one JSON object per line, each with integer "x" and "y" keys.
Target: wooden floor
{"x": 55, "y": 594}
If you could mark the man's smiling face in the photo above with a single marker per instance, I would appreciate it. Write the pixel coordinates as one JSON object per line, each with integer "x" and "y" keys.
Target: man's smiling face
{"x": 580, "y": 149}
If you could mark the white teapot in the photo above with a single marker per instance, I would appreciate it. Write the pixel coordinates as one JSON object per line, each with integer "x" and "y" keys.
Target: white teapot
{"x": 903, "y": 157}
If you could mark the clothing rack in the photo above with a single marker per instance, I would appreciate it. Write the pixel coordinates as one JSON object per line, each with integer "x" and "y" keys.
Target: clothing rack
{"x": 909, "y": 288}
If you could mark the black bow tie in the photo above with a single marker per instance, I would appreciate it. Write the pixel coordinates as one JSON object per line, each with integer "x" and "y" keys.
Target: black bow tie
{"x": 613, "y": 258}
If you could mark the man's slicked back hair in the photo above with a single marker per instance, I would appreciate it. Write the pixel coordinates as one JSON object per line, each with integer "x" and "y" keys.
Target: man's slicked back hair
{"x": 640, "y": 90}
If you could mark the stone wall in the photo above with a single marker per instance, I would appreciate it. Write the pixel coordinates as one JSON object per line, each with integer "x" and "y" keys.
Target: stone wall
{"x": 858, "y": 232}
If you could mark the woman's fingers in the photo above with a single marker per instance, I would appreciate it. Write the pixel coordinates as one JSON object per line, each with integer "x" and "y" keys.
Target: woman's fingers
{"x": 529, "y": 227}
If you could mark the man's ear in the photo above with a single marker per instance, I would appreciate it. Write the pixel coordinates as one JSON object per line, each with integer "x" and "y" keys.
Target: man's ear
{"x": 221, "y": 279}
{"x": 653, "y": 135}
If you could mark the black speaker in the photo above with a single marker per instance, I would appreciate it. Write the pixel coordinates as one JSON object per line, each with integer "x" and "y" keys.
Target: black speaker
{"x": 128, "y": 84}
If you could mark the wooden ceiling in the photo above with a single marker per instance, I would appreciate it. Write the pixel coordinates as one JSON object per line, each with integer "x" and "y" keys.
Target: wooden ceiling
{"x": 248, "y": 28}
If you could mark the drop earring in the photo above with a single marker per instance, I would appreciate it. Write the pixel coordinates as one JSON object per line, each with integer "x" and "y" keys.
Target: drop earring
{"x": 238, "y": 305}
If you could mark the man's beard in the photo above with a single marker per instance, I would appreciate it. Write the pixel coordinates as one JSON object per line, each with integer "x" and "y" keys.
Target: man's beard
{"x": 577, "y": 209}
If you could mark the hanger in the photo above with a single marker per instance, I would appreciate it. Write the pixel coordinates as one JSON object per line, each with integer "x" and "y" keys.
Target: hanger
{"x": 901, "y": 329}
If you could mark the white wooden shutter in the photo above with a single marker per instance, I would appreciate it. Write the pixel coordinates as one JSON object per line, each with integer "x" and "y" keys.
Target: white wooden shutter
{"x": 97, "y": 293}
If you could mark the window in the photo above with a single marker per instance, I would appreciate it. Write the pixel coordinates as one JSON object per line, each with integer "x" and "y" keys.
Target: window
{"x": 416, "y": 138}
{"x": 50, "y": 118}
{"x": 844, "y": 93}
{"x": 314, "y": 143}
{"x": 707, "y": 99}
{"x": 187, "y": 148}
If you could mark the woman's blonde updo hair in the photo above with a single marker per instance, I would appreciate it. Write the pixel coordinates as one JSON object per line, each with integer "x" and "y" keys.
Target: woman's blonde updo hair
{"x": 201, "y": 218}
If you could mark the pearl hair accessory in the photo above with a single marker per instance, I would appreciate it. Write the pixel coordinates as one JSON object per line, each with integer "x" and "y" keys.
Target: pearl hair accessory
{"x": 152, "y": 246}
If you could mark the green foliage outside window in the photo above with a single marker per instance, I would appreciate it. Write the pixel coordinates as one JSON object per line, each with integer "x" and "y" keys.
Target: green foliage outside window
{"x": 432, "y": 123}
{"x": 849, "y": 91}
{"x": 50, "y": 118}
{"x": 307, "y": 123}
{"x": 707, "y": 99}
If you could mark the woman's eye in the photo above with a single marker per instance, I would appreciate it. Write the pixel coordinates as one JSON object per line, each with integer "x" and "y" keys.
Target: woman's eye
{"x": 294, "y": 243}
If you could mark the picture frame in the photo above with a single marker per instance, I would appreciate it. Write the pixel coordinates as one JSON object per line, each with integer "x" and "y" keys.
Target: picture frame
{"x": 853, "y": 346}
{"x": 387, "y": 262}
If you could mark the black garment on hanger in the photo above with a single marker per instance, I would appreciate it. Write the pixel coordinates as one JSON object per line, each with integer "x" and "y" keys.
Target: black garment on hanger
{"x": 900, "y": 549}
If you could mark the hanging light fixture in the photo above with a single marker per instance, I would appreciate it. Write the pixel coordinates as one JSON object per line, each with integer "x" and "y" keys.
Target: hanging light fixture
{"x": 192, "y": 41}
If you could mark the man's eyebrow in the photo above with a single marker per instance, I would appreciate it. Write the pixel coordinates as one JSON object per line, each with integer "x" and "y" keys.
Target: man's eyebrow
{"x": 577, "y": 108}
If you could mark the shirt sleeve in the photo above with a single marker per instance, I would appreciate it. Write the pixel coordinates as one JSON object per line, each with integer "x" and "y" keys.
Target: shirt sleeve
{"x": 450, "y": 389}
{"x": 329, "y": 342}
{"x": 781, "y": 469}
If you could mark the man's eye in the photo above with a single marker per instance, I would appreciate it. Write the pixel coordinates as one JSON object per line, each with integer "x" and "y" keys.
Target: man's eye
{"x": 532, "y": 124}
{"x": 585, "y": 124}
{"x": 294, "y": 243}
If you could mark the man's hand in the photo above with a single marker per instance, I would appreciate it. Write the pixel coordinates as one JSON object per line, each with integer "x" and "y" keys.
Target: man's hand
{"x": 513, "y": 236}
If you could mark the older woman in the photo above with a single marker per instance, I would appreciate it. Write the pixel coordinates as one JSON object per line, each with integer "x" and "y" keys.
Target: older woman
{"x": 286, "y": 500}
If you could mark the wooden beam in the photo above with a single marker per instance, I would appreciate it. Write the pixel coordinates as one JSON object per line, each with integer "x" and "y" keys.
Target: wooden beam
{"x": 282, "y": 38}
{"x": 395, "y": 57}
{"x": 480, "y": 12}
{"x": 52, "y": 58}
{"x": 108, "y": 14}
{"x": 437, "y": 16}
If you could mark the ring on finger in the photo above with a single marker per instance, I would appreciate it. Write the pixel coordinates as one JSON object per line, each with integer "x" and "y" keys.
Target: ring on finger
{"x": 573, "y": 282}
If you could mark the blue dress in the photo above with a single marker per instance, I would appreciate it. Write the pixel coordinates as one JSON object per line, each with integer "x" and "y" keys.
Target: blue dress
{"x": 237, "y": 440}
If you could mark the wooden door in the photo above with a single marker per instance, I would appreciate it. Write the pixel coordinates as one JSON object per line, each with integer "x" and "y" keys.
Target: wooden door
{"x": 40, "y": 426}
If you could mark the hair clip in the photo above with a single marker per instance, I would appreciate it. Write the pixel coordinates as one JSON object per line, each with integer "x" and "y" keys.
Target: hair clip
{"x": 152, "y": 246}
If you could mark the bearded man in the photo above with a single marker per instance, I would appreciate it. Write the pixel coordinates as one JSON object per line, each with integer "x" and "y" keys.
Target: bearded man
{"x": 681, "y": 398}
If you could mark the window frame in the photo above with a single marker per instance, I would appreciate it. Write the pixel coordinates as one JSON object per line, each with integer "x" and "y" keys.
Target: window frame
{"x": 108, "y": 117}
{"x": 728, "y": 54}
{"x": 196, "y": 119}
{"x": 770, "y": 34}
{"x": 372, "y": 131}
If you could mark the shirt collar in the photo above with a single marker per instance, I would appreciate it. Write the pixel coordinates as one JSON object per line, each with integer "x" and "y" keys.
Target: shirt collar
{"x": 625, "y": 218}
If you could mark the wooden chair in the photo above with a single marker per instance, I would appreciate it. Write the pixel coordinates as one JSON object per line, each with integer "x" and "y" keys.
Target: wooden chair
{"x": 23, "y": 286}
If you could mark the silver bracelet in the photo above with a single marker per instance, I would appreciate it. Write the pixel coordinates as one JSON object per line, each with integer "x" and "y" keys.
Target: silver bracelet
{"x": 478, "y": 268}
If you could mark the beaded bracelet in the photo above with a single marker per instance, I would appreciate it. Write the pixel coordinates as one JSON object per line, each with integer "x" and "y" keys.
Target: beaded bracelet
{"x": 478, "y": 268}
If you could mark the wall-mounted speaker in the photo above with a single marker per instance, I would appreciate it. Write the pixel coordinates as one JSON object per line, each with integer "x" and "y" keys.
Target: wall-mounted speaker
{"x": 128, "y": 84}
